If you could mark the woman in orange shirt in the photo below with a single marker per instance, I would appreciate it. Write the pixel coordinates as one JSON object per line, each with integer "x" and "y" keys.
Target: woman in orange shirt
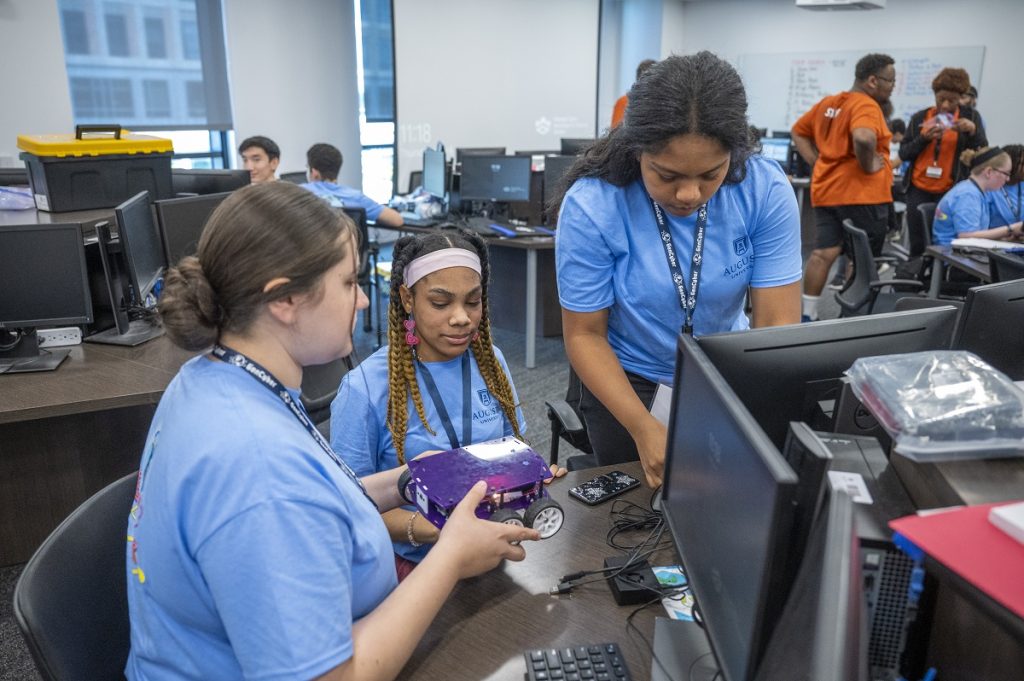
{"x": 935, "y": 139}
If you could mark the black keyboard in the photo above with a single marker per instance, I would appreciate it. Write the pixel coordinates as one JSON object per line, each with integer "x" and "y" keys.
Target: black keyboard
{"x": 580, "y": 663}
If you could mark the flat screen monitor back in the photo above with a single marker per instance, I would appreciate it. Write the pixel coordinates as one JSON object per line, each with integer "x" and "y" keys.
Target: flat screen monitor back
{"x": 140, "y": 244}
{"x": 574, "y": 146}
{"x": 182, "y": 221}
{"x": 495, "y": 178}
{"x": 728, "y": 502}
{"x": 991, "y": 326}
{"x": 776, "y": 150}
{"x": 208, "y": 181}
{"x": 461, "y": 154}
{"x": 769, "y": 368}
{"x": 434, "y": 172}
{"x": 555, "y": 168}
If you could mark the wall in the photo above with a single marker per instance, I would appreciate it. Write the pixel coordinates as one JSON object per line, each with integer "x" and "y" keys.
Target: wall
{"x": 493, "y": 73}
{"x": 33, "y": 80}
{"x": 293, "y": 77}
{"x": 735, "y": 27}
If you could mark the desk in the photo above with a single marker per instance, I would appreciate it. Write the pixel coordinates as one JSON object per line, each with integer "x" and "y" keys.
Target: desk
{"x": 86, "y": 218}
{"x": 946, "y": 256}
{"x": 529, "y": 245}
{"x": 488, "y": 622}
{"x": 65, "y": 434}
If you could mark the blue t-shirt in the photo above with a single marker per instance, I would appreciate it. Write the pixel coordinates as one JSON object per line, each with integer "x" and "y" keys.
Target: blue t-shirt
{"x": 250, "y": 552}
{"x": 964, "y": 208}
{"x": 341, "y": 196}
{"x": 359, "y": 431}
{"x": 1005, "y": 205}
{"x": 609, "y": 255}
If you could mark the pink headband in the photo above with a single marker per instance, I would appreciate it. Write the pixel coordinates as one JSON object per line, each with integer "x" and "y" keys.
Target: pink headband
{"x": 439, "y": 260}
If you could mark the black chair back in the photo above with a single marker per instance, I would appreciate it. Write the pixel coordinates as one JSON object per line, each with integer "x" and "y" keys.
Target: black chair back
{"x": 320, "y": 385}
{"x": 71, "y": 601}
{"x": 855, "y": 299}
{"x": 927, "y": 211}
{"x": 1005, "y": 266}
{"x": 358, "y": 216}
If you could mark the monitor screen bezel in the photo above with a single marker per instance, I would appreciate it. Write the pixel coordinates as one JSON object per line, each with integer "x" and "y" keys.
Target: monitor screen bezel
{"x": 141, "y": 203}
{"x": 164, "y": 205}
{"x": 523, "y": 161}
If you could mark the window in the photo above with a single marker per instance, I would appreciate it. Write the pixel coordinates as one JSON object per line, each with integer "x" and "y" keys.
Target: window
{"x": 117, "y": 34}
{"x": 157, "y": 97}
{"x": 189, "y": 39}
{"x": 181, "y": 82}
{"x": 195, "y": 97}
{"x": 76, "y": 36}
{"x": 376, "y": 75}
{"x": 156, "y": 42}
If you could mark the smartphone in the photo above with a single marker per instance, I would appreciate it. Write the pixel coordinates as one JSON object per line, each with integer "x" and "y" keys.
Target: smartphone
{"x": 603, "y": 487}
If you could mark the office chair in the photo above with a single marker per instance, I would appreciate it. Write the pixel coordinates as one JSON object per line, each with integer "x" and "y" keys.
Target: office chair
{"x": 368, "y": 251}
{"x": 298, "y": 177}
{"x": 319, "y": 387}
{"x": 1005, "y": 266}
{"x": 567, "y": 424}
{"x": 863, "y": 295}
{"x": 71, "y": 602}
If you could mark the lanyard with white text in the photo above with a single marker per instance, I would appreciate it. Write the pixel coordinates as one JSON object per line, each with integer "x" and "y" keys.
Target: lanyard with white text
{"x": 688, "y": 301}
{"x": 442, "y": 412}
{"x": 270, "y": 382}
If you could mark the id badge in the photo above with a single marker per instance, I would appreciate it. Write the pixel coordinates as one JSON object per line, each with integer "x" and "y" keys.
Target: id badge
{"x": 933, "y": 172}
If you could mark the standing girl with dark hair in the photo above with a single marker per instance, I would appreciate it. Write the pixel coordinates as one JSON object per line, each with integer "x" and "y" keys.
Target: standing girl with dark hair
{"x": 667, "y": 222}
{"x": 439, "y": 363}
{"x": 253, "y": 550}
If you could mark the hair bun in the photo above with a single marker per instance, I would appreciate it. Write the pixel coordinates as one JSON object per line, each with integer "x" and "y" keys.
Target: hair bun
{"x": 189, "y": 310}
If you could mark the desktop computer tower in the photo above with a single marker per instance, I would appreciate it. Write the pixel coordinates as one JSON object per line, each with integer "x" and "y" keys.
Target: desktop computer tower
{"x": 895, "y": 624}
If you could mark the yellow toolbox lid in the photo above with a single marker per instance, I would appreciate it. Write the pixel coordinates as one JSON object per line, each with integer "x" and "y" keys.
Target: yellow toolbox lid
{"x": 117, "y": 141}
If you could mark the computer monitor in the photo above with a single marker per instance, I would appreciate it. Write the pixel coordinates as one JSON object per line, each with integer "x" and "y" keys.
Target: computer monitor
{"x": 728, "y": 500}
{"x": 555, "y": 168}
{"x": 536, "y": 152}
{"x": 574, "y": 146}
{"x": 133, "y": 262}
{"x": 822, "y": 634}
{"x": 45, "y": 283}
{"x": 434, "y": 172}
{"x": 181, "y": 223}
{"x": 991, "y": 326}
{"x": 13, "y": 177}
{"x": 207, "y": 181}
{"x": 777, "y": 150}
{"x": 781, "y": 373}
{"x": 495, "y": 178}
{"x": 462, "y": 153}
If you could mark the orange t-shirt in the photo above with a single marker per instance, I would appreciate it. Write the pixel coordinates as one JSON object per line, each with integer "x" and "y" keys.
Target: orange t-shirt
{"x": 619, "y": 112}
{"x": 942, "y": 156}
{"x": 837, "y": 179}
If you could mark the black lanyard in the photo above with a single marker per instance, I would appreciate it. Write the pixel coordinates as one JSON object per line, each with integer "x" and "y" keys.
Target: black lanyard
{"x": 688, "y": 301}
{"x": 442, "y": 412}
{"x": 270, "y": 382}
{"x": 1015, "y": 209}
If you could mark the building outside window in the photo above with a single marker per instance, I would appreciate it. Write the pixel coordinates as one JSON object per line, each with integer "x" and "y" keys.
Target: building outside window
{"x": 376, "y": 77}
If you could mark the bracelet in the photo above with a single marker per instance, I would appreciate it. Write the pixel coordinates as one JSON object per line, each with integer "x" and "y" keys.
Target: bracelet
{"x": 409, "y": 533}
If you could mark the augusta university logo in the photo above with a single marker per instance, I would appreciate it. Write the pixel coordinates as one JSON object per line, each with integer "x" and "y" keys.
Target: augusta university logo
{"x": 741, "y": 245}
{"x": 485, "y": 397}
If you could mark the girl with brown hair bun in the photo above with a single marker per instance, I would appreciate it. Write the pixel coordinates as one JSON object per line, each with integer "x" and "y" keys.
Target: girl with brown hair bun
{"x": 253, "y": 550}
{"x": 964, "y": 211}
{"x": 439, "y": 383}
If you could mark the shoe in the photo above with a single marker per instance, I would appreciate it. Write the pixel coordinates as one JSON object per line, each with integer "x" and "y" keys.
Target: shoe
{"x": 804, "y": 319}
{"x": 883, "y": 268}
{"x": 837, "y": 283}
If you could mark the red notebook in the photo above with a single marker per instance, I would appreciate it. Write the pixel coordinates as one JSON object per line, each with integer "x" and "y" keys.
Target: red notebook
{"x": 966, "y": 542}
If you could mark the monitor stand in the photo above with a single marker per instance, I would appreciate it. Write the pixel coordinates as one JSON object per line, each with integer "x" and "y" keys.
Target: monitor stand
{"x": 139, "y": 331}
{"x": 47, "y": 360}
{"x": 683, "y": 651}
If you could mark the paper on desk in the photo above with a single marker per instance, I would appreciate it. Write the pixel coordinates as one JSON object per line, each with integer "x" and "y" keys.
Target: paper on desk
{"x": 679, "y": 606}
{"x": 974, "y": 242}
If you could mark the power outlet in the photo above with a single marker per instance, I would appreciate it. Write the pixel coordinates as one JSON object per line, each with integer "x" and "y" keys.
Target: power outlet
{"x": 65, "y": 335}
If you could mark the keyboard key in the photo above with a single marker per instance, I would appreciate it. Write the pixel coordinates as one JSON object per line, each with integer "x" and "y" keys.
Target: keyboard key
{"x": 578, "y": 663}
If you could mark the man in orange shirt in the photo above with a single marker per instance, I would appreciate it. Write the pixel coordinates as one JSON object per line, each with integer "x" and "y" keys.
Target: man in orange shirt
{"x": 845, "y": 139}
{"x": 619, "y": 111}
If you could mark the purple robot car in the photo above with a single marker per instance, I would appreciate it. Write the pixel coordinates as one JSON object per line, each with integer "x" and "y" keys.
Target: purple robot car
{"x": 515, "y": 476}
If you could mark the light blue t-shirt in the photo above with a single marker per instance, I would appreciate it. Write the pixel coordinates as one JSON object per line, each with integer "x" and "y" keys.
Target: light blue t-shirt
{"x": 340, "y": 196}
{"x": 359, "y": 431}
{"x": 1004, "y": 205}
{"x": 964, "y": 208}
{"x": 250, "y": 551}
{"x": 609, "y": 255}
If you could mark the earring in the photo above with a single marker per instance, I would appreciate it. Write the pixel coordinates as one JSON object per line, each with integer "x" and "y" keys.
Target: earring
{"x": 410, "y": 336}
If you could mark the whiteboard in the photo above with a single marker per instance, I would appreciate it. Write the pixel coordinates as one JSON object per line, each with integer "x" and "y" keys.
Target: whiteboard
{"x": 781, "y": 87}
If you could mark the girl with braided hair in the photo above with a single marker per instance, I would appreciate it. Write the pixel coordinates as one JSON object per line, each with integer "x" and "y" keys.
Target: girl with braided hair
{"x": 438, "y": 384}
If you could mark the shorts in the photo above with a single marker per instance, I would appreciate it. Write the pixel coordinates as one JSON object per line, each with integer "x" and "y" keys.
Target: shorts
{"x": 873, "y": 219}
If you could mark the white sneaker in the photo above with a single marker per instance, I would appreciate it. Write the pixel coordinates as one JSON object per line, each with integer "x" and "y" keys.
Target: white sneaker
{"x": 883, "y": 268}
